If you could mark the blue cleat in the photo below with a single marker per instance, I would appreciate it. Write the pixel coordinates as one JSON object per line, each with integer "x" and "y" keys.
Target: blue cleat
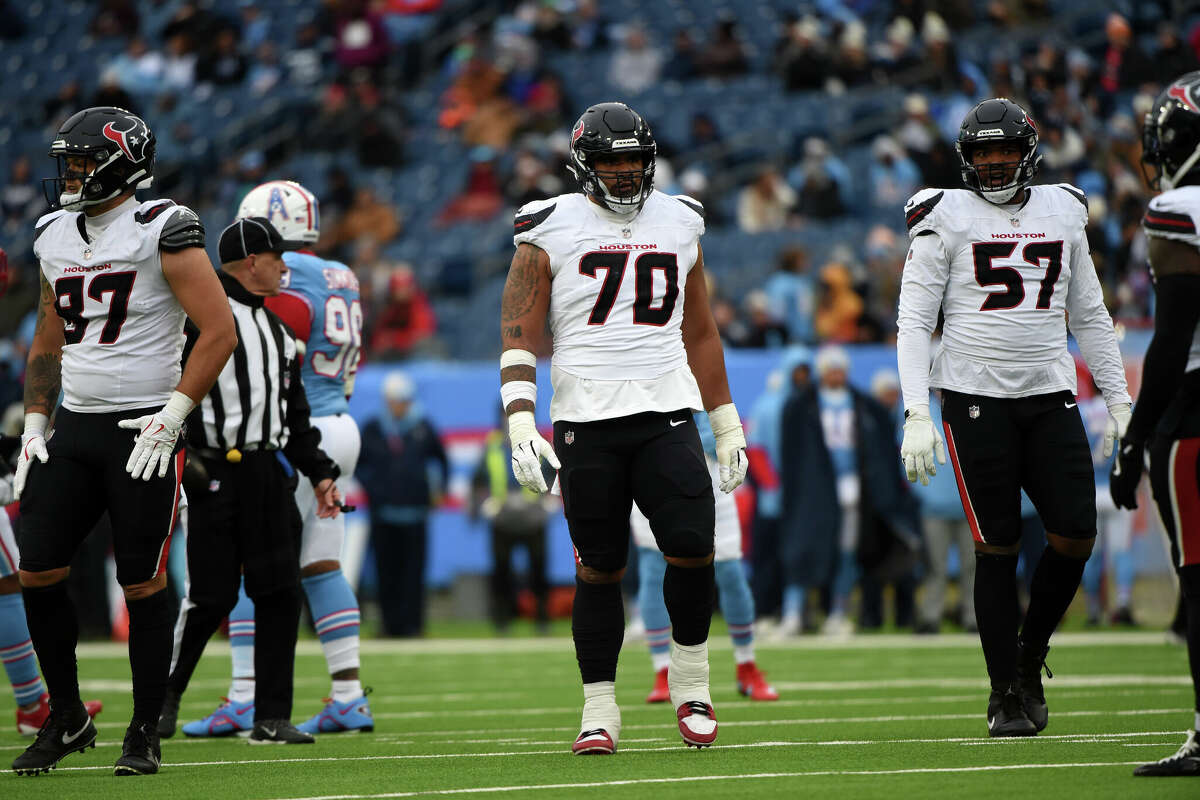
{"x": 229, "y": 718}
{"x": 354, "y": 715}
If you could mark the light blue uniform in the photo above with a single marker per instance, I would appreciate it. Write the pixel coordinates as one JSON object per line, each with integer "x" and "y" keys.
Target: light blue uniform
{"x": 330, "y": 291}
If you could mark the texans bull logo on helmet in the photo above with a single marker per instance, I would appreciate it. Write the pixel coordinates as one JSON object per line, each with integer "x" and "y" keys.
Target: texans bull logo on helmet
{"x": 131, "y": 141}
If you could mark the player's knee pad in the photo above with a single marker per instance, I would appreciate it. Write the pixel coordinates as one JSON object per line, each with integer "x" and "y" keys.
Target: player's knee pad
{"x": 683, "y": 527}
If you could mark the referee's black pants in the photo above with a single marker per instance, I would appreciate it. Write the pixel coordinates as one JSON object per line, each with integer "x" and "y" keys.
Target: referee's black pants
{"x": 245, "y": 522}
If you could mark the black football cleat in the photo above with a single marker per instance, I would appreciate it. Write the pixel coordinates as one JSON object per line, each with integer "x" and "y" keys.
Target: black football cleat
{"x": 59, "y": 736}
{"x": 278, "y": 731}
{"x": 140, "y": 753}
{"x": 1029, "y": 683}
{"x": 170, "y": 715}
{"x": 1006, "y": 717}
{"x": 1185, "y": 762}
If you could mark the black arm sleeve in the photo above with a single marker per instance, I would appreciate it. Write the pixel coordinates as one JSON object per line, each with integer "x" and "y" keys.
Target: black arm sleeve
{"x": 182, "y": 231}
{"x": 304, "y": 440}
{"x": 1175, "y": 318}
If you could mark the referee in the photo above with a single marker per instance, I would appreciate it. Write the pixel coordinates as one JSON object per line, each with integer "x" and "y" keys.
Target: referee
{"x": 245, "y": 439}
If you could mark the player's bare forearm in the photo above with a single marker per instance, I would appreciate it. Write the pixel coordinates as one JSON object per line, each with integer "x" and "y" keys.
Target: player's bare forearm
{"x": 523, "y": 310}
{"x": 195, "y": 285}
{"x": 702, "y": 340}
{"x": 43, "y": 371}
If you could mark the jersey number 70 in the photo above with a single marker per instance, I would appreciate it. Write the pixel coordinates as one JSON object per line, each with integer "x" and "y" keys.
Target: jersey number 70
{"x": 644, "y": 310}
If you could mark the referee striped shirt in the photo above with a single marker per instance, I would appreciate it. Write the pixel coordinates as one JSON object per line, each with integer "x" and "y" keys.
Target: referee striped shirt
{"x": 247, "y": 407}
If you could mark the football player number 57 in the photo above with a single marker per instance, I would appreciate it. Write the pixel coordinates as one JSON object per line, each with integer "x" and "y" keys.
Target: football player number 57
{"x": 343, "y": 329}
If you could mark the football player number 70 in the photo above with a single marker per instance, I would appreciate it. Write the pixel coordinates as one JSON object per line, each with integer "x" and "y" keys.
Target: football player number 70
{"x": 343, "y": 329}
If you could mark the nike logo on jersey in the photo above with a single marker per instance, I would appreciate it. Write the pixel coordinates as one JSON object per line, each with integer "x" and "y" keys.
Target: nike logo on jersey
{"x": 68, "y": 739}
{"x": 1070, "y": 405}
{"x": 676, "y": 424}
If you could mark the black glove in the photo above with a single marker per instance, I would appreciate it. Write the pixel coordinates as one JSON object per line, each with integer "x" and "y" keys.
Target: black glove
{"x": 1126, "y": 474}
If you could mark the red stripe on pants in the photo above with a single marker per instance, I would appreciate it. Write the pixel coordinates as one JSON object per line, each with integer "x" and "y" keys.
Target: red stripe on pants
{"x": 968, "y": 509}
{"x": 166, "y": 547}
{"x": 1187, "y": 500}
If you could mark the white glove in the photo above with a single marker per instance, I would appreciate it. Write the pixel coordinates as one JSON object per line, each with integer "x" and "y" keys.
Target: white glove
{"x": 33, "y": 444}
{"x": 528, "y": 450}
{"x": 921, "y": 443}
{"x": 153, "y": 447}
{"x": 1118, "y": 420}
{"x": 731, "y": 446}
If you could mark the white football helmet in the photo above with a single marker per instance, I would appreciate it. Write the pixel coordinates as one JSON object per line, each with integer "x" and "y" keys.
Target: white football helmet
{"x": 290, "y": 207}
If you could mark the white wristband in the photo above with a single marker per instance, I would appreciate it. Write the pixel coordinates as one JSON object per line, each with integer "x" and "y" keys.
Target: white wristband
{"x": 518, "y": 390}
{"x": 35, "y": 424}
{"x": 179, "y": 406}
{"x": 517, "y": 358}
{"x": 521, "y": 427}
{"x": 724, "y": 418}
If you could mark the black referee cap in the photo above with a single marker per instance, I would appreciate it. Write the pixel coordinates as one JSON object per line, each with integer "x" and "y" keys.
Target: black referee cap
{"x": 248, "y": 236}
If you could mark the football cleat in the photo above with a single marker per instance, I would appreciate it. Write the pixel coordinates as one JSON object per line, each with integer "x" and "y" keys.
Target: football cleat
{"x": 697, "y": 723}
{"x": 141, "y": 753}
{"x": 230, "y": 718}
{"x": 58, "y": 737}
{"x": 1029, "y": 683}
{"x": 1186, "y": 761}
{"x": 278, "y": 731}
{"x": 753, "y": 684}
{"x": 595, "y": 742}
{"x": 169, "y": 717}
{"x": 661, "y": 693}
{"x": 1005, "y": 715}
{"x": 353, "y": 715}
{"x": 30, "y": 722}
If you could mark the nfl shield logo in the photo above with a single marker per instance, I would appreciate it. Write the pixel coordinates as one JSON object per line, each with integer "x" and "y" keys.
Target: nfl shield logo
{"x": 569, "y": 437}
{"x": 973, "y": 412}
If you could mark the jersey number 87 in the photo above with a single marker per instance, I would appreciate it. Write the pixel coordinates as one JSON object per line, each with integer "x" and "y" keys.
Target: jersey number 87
{"x": 343, "y": 328}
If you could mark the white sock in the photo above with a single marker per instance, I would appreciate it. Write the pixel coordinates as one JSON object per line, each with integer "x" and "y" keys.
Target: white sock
{"x": 600, "y": 708}
{"x": 243, "y": 661}
{"x": 743, "y": 653}
{"x": 660, "y": 660}
{"x": 688, "y": 673}
{"x": 242, "y": 690}
{"x": 345, "y": 691}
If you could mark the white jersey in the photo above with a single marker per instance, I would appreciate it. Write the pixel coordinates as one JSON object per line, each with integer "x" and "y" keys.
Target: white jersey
{"x": 122, "y": 323}
{"x": 1174, "y": 215}
{"x": 1009, "y": 280}
{"x": 616, "y": 303}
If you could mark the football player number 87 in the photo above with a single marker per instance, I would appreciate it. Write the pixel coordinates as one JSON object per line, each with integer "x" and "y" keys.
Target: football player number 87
{"x": 69, "y": 300}
{"x": 645, "y": 311}
{"x": 343, "y": 328}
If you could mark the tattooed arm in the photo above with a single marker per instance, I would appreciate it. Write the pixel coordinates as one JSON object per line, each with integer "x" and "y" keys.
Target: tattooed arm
{"x": 43, "y": 372}
{"x": 523, "y": 311}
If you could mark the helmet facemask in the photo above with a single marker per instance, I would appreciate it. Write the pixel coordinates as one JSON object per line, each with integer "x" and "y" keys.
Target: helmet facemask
{"x": 595, "y": 179}
{"x": 998, "y": 182}
{"x": 1165, "y": 157}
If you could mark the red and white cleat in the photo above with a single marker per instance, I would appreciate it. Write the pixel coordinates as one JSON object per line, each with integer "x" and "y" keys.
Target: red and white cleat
{"x": 753, "y": 684}
{"x": 30, "y": 722}
{"x": 661, "y": 692}
{"x": 595, "y": 742}
{"x": 697, "y": 723}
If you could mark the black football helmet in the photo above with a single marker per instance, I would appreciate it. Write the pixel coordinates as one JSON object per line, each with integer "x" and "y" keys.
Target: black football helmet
{"x": 120, "y": 143}
{"x": 1171, "y": 135}
{"x": 992, "y": 121}
{"x": 612, "y": 128}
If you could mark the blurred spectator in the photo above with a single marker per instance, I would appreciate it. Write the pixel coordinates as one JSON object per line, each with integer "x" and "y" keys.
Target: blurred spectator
{"x": 367, "y": 220}
{"x": 821, "y": 181}
{"x": 792, "y": 296}
{"x": 138, "y": 69}
{"x": 255, "y": 27}
{"x": 852, "y": 63}
{"x": 763, "y": 330}
{"x": 1171, "y": 56}
{"x": 192, "y": 22}
{"x": 406, "y": 320}
{"x": 20, "y": 298}
{"x": 115, "y": 18}
{"x": 20, "y": 199}
{"x": 403, "y": 469}
{"x": 362, "y": 39}
{"x": 547, "y": 106}
{"x": 380, "y": 129}
{"x": 725, "y": 316}
{"x": 839, "y": 307}
{"x": 684, "y": 63}
{"x": 65, "y": 102}
{"x": 892, "y": 177}
{"x": 801, "y": 59}
{"x": 179, "y": 64}
{"x": 896, "y": 55}
{"x": 589, "y": 30}
{"x": 940, "y": 57}
{"x": 223, "y": 64}
{"x": 110, "y": 93}
{"x": 723, "y": 55}
{"x": 303, "y": 58}
{"x": 481, "y": 198}
{"x": 763, "y": 205}
{"x": 1062, "y": 150}
{"x": 549, "y": 27}
{"x": 636, "y": 64}
{"x": 1123, "y": 65}
{"x": 884, "y": 251}
{"x": 921, "y": 138}
{"x": 531, "y": 180}
{"x": 265, "y": 71}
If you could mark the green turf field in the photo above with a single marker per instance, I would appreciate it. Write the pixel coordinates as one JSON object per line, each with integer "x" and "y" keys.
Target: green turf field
{"x": 876, "y": 716}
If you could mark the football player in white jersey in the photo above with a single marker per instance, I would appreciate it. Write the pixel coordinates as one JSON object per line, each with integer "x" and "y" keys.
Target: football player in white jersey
{"x": 618, "y": 273}
{"x": 118, "y": 278}
{"x": 1007, "y": 263}
{"x": 1166, "y": 419}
